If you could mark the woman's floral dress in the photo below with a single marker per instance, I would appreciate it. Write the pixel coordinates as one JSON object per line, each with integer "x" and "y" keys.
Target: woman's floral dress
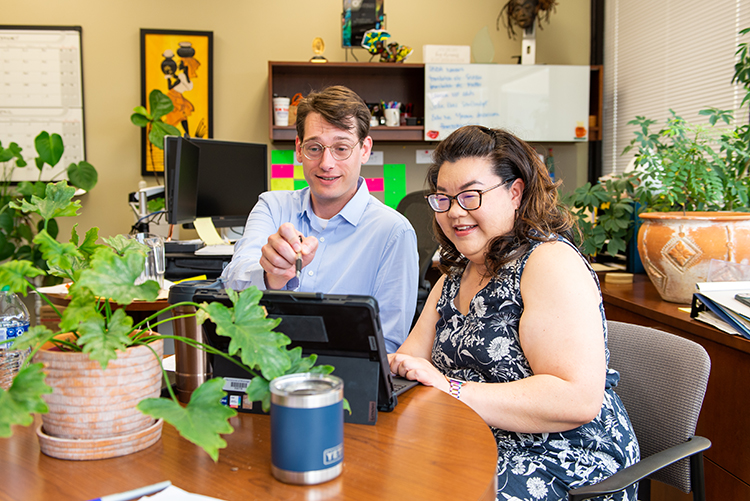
{"x": 483, "y": 346}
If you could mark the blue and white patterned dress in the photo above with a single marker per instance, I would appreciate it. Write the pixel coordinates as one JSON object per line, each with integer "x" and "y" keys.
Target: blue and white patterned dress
{"x": 484, "y": 346}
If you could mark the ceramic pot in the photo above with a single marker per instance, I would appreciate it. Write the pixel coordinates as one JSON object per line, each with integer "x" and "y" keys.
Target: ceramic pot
{"x": 98, "y": 406}
{"x": 677, "y": 247}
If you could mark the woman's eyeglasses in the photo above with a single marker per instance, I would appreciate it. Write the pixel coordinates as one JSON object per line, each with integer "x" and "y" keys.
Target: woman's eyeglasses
{"x": 339, "y": 151}
{"x": 468, "y": 200}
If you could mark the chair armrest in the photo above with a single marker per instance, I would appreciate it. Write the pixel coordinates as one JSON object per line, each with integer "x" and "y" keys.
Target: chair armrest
{"x": 640, "y": 470}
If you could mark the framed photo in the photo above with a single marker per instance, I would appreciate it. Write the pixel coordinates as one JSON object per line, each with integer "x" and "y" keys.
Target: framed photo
{"x": 358, "y": 17}
{"x": 180, "y": 64}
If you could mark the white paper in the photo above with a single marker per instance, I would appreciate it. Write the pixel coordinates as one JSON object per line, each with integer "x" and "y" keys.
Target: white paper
{"x": 173, "y": 493}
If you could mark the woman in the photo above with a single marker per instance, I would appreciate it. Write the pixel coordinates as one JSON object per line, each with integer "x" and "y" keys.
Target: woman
{"x": 515, "y": 327}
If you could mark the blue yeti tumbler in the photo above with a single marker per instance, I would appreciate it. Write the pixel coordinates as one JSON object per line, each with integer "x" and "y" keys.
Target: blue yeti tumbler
{"x": 307, "y": 428}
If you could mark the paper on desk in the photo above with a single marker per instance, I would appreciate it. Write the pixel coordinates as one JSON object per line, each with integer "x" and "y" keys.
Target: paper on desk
{"x": 173, "y": 493}
{"x": 723, "y": 293}
{"x": 207, "y": 231}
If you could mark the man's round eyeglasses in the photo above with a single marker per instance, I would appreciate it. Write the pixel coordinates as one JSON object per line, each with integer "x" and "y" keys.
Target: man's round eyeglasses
{"x": 468, "y": 200}
{"x": 339, "y": 151}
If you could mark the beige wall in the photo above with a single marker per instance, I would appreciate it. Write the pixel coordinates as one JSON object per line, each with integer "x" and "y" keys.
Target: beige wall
{"x": 247, "y": 34}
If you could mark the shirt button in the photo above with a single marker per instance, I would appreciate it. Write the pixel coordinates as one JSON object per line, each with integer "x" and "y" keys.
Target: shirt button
{"x": 322, "y": 239}
{"x": 310, "y": 273}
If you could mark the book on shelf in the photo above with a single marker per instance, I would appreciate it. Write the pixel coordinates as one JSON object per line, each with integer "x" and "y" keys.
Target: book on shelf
{"x": 715, "y": 304}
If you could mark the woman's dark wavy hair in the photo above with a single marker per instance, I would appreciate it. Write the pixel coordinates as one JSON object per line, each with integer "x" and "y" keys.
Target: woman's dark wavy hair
{"x": 540, "y": 216}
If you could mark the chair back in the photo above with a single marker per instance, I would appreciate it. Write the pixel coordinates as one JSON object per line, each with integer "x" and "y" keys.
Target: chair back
{"x": 415, "y": 208}
{"x": 663, "y": 379}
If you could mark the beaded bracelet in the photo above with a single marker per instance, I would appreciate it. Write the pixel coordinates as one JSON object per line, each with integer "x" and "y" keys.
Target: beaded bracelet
{"x": 455, "y": 387}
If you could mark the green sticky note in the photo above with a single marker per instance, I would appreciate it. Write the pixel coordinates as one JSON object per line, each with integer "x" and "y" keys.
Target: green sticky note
{"x": 299, "y": 184}
{"x": 284, "y": 157}
{"x": 391, "y": 198}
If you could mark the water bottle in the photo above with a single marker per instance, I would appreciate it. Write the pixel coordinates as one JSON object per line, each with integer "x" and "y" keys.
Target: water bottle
{"x": 14, "y": 322}
{"x": 550, "y": 162}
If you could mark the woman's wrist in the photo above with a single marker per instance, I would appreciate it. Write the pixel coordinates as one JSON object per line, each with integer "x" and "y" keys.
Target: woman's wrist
{"x": 454, "y": 387}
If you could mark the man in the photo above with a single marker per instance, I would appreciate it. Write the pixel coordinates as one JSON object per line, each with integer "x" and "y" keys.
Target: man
{"x": 349, "y": 242}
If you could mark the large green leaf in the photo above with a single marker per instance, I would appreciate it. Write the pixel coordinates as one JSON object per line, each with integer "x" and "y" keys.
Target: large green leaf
{"x": 58, "y": 201}
{"x": 23, "y": 399}
{"x": 140, "y": 119}
{"x": 36, "y": 335}
{"x": 82, "y": 308}
{"x": 121, "y": 244}
{"x": 112, "y": 276}
{"x": 201, "y": 421}
{"x": 160, "y": 129}
{"x": 14, "y": 273}
{"x": 102, "y": 341}
{"x": 82, "y": 175}
{"x": 49, "y": 147}
{"x": 57, "y": 254}
{"x": 159, "y": 103}
{"x": 250, "y": 332}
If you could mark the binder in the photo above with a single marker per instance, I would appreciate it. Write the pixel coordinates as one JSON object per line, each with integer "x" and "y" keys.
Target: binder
{"x": 703, "y": 303}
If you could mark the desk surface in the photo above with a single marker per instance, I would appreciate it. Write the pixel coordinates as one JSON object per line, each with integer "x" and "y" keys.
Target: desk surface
{"x": 430, "y": 447}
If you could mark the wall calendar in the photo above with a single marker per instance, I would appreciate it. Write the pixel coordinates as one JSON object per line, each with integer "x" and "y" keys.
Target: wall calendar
{"x": 41, "y": 89}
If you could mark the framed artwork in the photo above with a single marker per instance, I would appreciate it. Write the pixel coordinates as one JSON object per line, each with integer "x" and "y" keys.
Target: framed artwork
{"x": 180, "y": 64}
{"x": 358, "y": 17}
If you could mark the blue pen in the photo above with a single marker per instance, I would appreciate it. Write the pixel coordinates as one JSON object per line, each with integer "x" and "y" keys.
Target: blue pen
{"x": 135, "y": 493}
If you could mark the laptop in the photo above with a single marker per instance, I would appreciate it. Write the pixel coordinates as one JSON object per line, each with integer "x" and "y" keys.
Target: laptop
{"x": 343, "y": 330}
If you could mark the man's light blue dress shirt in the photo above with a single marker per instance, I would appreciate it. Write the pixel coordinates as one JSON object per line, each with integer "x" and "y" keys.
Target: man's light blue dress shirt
{"x": 366, "y": 249}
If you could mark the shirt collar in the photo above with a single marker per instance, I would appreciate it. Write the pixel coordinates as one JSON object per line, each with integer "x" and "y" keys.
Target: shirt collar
{"x": 352, "y": 211}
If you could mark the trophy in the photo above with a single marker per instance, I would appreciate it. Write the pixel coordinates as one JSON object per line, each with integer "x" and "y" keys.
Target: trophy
{"x": 318, "y": 47}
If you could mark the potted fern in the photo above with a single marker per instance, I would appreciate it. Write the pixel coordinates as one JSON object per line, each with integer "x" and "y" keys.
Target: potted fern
{"x": 95, "y": 328}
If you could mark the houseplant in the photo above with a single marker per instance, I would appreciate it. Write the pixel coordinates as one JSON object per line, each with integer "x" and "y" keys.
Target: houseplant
{"x": 17, "y": 229}
{"x": 96, "y": 328}
{"x": 156, "y": 128}
{"x": 689, "y": 179}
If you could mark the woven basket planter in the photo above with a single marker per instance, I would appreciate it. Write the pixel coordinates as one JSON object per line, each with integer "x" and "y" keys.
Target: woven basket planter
{"x": 95, "y": 409}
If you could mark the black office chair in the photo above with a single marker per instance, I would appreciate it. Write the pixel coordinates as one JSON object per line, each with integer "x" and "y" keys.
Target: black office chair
{"x": 414, "y": 207}
{"x": 663, "y": 379}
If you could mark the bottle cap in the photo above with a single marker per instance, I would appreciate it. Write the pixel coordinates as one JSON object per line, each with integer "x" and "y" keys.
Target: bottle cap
{"x": 5, "y": 288}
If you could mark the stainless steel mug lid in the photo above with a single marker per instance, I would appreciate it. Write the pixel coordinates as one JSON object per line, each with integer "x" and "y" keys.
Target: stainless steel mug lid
{"x": 307, "y": 390}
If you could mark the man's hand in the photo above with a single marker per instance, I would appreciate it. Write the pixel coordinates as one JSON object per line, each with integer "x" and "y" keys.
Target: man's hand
{"x": 280, "y": 254}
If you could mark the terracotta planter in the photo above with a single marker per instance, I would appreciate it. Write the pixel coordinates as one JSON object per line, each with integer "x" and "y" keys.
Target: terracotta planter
{"x": 96, "y": 408}
{"x": 676, "y": 248}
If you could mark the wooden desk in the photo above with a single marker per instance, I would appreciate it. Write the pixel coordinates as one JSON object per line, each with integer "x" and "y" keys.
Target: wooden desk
{"x": 430, "y": 447}
{"x": 725, "y": 416}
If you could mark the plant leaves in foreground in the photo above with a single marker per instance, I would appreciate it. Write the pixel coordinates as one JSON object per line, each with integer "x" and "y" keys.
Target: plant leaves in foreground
{"x": 17, "y": 405}
{"x": 201, "y": 421}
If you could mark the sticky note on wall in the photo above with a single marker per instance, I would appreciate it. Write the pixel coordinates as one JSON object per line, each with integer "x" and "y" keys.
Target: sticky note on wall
{"x": 394, "y": 180}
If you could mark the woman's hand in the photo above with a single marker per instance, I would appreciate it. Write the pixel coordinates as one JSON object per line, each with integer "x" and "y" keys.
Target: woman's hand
{"x": 418, "y": 369}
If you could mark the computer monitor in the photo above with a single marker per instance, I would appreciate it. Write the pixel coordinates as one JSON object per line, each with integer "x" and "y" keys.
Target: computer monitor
{"x": 182, "y": 179}
{"x": 231, "y": 176}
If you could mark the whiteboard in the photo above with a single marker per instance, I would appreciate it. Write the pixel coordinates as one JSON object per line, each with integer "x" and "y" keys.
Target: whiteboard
{"x": 41, "y": 89}
{"x": 542, "y": 103}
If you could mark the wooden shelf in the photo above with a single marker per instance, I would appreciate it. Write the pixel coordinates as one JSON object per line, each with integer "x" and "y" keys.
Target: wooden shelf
{"x": 374, "y": 82}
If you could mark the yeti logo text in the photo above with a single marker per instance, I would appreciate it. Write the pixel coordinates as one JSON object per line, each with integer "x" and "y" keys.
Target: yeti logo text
{"x": 333, "y": 455}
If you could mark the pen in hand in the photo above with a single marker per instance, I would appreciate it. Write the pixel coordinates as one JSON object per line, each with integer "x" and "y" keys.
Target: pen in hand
{"x": 298, "y": 263}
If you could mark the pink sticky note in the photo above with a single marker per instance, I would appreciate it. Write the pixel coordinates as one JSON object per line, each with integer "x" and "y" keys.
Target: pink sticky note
{"x": 375, "y": 184}
{"x": 279, "y": 171}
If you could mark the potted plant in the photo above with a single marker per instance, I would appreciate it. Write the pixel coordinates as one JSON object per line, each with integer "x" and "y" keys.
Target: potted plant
{"x": 692, "y": 190}
{"x": 153, "y": 121}
{"x": 17, "y": 229}
{"x": 605, "y": 213}
{"x": 94, "y": 326}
